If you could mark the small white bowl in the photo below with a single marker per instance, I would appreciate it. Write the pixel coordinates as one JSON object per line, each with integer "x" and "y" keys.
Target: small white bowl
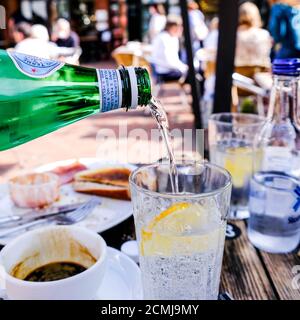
{"x": 35, "y": 190}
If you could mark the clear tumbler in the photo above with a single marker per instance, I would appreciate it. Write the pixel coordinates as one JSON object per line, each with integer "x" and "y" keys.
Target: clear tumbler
{"x": 181, "y": 236}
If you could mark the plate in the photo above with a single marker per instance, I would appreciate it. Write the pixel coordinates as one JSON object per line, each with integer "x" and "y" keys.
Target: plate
{"x": 122, "y": 280}
{"x": 110, "y": 213}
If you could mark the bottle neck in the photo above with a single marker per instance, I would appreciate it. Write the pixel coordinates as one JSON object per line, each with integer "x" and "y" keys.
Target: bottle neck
{"x": 136, "y": 87}
{"x": 124, "y": 88}
{"x": 283, "y": 98}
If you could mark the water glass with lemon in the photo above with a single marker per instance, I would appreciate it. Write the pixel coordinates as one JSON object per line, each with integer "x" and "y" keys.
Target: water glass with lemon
{"x": 181, "y": 236}
{"x": 231, "y": 138}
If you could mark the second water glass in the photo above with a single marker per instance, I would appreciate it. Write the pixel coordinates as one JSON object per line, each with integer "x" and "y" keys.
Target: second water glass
{"x": 231, "y": 138}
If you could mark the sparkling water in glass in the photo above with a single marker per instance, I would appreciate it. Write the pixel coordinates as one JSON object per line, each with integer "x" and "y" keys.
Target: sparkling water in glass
{"x": 274, "y": 204}
{"x": 231, "y": 137}
{"x": 181, "y": 236}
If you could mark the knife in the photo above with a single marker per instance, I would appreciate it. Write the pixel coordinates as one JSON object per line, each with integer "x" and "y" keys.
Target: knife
{"x": 29, "y": 216}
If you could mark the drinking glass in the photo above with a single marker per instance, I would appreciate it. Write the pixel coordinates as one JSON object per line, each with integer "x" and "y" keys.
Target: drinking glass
{"x": 181, "y": 236}
{"x": 231, "y": 138}
{"x": 274, "y": 205}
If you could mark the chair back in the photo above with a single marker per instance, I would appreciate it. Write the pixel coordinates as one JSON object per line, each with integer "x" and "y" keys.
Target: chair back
{"x": 240, "y": 91}
{"x": 124, "y": 59}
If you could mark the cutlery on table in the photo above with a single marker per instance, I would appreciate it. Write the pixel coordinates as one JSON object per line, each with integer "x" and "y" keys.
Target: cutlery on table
{"x": 61, "y": 219}
{"x": 11, "y": 220}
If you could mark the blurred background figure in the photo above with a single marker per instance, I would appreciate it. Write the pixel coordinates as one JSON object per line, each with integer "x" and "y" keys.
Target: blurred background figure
{"x": 208, "y": 58}
{"x": 211, "y": 41}
{"x": 16, "y": 18}
{"x": 284, "y": 26}
{"x": 63, "y": 36}
{"x": 38, "y": 44}
{"x": 68, "y": 43}
{"x": 157, "y": 21}
{"x": 199, "y": 30}
{"x": 165, "y": 54}
{"x": 21, "y": 31}
{"x": 253, "y": 46}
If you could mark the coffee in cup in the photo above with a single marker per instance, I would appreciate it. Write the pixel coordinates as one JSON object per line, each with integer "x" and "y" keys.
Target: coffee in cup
{"x": 54, "y": 263}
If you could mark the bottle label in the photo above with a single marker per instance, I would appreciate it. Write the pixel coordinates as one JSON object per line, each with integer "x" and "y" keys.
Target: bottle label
{"x": 34, "y": 67}
{"x": 277, "y": 159}
{"x": 110, "y": 88}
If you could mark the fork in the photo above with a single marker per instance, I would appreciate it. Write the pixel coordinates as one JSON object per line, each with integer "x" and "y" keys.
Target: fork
{"x": 64, "y": 219}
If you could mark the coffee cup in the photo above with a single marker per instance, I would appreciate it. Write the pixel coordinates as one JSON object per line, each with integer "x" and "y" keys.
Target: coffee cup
{"x": 53, "y": 246}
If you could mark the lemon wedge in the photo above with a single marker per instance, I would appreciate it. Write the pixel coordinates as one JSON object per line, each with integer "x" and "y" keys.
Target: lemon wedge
{"x": 184, "y": 229}
{"x": 239, "y": 162}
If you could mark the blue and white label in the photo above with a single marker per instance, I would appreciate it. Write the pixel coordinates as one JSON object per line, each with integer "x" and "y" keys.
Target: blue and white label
{"x": 33, "y": 66}
{"x": 296, "y": 206}
{"x": 110, "y": 88}
{"x": 277, "y": 159}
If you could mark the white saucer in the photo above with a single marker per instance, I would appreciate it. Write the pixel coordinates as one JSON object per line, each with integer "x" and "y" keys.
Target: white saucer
{"x": 122, "y": 280}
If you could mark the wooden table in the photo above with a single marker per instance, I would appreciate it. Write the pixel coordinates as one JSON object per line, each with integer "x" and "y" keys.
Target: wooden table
{"x": 247, "y": 274}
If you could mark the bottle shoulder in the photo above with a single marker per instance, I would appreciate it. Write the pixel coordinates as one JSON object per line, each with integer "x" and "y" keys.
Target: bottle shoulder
{"x": 281, "y": 133}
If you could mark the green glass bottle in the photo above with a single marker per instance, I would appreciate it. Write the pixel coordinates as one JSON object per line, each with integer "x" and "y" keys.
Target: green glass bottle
{"x": 38, "y": 96}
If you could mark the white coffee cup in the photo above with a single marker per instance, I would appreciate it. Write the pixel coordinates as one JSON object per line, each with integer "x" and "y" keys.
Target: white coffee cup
{"x": 54, "y": 244}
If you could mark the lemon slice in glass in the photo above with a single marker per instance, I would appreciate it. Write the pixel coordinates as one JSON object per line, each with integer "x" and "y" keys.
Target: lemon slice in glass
{"x": 239, "y": 162}
{"x": 183, "y": 229}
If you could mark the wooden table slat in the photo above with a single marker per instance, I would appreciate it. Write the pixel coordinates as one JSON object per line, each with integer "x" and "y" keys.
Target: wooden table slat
{"x": 243, "y": 274}
{"x": 280, "y": 269}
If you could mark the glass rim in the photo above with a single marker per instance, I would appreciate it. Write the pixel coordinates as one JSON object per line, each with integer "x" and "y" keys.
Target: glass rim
{"x": 178, "y": 195}
{"x": 278, "y": 175}
{"x": 213, "y": 117}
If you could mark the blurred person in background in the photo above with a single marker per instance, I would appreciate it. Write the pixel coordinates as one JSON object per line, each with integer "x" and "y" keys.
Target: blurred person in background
{"x": 63, "y": 36}
{"x": 38, "y": 44}
{"x": 284, "y": 26}
{"x": 207, "y": 57}
{"x": 211, "y": 41}
{"x": 253, "y": 45}
{"x": 157, "y": 21}
{"x": 67, "y": 41}
{"x": 199, "y": 30}
{"x": 165, "y": 53}
{"x": 16, "y": 18}
{"x": 264, "y": 7}
{"x": 21, "y": 31}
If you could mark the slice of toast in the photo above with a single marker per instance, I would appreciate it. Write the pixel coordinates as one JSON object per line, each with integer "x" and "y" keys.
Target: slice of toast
{"x": 104, "y": 190}
{"x": 107, "y": 182}
{"x": 111, "y": 176}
